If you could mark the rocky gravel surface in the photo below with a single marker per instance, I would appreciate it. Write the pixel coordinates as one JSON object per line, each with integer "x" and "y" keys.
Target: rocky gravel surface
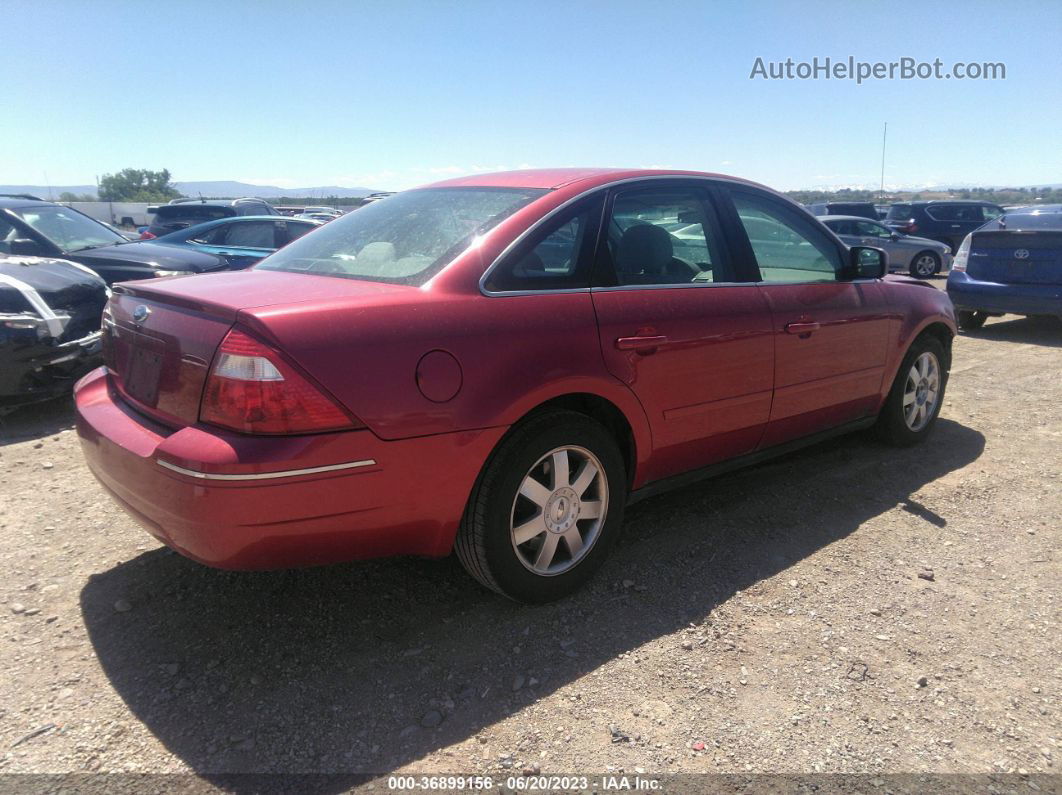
{"x": 849, "y": 608}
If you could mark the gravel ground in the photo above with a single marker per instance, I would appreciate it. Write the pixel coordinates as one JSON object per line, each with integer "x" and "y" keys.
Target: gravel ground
{"x": 849, "y": 608}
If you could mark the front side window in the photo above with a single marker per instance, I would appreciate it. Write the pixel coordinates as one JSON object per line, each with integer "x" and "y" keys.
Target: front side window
{"x": 843, "y": 227}
{"x": 787, "y": 246}
{"x": 68, "y": 229}
{"x": 406, "y": 239}
{"x": 990, "y": 213}
{"x": 663, "y": 236}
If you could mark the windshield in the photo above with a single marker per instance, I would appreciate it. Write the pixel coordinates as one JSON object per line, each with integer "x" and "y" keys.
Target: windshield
{"x": 66, "y": 228}
{"x": 403, "y": 239}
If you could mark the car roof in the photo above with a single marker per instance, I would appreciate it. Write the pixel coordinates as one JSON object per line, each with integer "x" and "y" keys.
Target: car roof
{"x": 848, "y": 218}
{"x": 12, "y": 201}
{"x": 553, "y": 178}
{"x": 924, "y": 202}
{"x": 1034, "y": 209}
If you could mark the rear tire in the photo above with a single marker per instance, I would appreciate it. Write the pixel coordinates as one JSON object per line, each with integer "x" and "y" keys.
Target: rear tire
{"x": 917, "y": 393}
{"x": 546, "y": 509}
{"x": 969, "y": 320}
{"x": 925, "y": 264}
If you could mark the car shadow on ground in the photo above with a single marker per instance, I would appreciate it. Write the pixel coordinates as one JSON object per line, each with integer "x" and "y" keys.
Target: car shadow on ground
{"x": 1038, "y": 330}
{"x": 37, "y": 420}
{"x": 362, "y": 668}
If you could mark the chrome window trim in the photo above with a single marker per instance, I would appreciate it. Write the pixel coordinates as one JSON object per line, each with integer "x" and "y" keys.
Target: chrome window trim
{"x": 564, "y": 205}
{"x": 287, "y": 473}
{"x": 680, "y": 286}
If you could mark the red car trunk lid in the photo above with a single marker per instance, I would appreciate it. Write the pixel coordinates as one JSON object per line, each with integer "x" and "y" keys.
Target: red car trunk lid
{"x": 163, "y": 333}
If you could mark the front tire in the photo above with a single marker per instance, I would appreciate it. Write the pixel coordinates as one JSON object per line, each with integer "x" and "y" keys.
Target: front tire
{"x": 914, "y": 402}
{"x": 925, "y": 264}
{"x": 546, "y": 508}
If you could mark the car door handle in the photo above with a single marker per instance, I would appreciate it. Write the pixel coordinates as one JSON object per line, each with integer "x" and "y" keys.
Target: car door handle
{"x": 640, "y": 344}
{"x": 801, "y": 328}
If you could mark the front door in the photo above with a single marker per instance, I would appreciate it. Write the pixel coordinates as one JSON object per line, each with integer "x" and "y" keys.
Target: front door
{"x": 689, "y": 334}
{"x": 830, "y": 332}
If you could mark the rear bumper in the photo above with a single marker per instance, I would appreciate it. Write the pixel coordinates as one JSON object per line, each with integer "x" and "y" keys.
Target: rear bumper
{"x": 242, "y": 502}
{"x": 1018, "y": 299}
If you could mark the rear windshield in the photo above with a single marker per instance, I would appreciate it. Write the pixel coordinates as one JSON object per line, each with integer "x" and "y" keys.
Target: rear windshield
{"x": 1020, "y": 221}
{"x": 193, "y": 212}
{"x": 403, "y": 239}
{"x": 899, "y": 212}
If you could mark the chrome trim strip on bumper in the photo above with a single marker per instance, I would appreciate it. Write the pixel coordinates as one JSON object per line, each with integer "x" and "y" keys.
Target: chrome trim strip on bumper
{"x": 287, "y": 473}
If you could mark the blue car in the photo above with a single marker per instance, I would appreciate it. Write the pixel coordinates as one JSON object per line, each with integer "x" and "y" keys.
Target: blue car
{"x": 241, "y": 240}
{"x": 1012, "y": 264}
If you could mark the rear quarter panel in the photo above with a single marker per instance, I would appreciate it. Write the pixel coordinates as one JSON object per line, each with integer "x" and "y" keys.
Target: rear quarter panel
{"x": 514, "y": 353}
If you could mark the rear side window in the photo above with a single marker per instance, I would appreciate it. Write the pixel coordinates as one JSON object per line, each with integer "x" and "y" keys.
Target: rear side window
{"x": 251, "y": 234}
{"x": 899, "y": 212}
{"x": 297, "y": 230}
{"x": 955, "y": 212}
{"x": 558, "y": 257}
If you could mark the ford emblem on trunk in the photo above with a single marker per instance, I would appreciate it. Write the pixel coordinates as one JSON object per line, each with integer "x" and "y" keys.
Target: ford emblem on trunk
{"x": 140, "y": 314}
{"x": 1021, "y": 253}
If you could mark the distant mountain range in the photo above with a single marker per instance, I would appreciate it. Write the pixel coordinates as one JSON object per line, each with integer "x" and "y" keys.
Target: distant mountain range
{"x": 229, "y": 189}
{"x": 215, "y": 189}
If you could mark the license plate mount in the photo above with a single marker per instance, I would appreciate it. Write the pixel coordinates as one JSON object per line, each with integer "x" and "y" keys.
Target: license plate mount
{"x": 145, "y": 368}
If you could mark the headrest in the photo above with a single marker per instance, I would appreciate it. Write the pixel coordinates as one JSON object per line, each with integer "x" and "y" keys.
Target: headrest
{"x": 644, "y": 248}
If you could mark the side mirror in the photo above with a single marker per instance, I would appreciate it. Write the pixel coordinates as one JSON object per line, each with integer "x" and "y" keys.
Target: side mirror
{"x": 25, "y": 247}
{"x": 867, "y": 262}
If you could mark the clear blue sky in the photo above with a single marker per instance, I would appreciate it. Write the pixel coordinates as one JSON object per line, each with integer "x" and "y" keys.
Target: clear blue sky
{"x": 397, "y": 93}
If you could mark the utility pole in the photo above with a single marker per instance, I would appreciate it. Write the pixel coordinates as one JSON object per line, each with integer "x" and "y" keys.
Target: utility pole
{"x": 884, "y": 135}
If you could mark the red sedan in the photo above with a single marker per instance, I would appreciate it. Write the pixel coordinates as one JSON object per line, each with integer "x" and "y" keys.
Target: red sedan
{"x": 498, "y": 364}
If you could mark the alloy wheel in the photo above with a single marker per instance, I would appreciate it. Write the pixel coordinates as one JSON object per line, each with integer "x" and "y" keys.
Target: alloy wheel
{"x": 925, "y": 265}
{"x": 559, "y": 510}
{"x": 921, "y": 391}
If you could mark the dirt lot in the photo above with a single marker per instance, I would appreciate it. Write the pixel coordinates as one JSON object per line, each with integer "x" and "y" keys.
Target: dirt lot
{"x": 849, "y": 608}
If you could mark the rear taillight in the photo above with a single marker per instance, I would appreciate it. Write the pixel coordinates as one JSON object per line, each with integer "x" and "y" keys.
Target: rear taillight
{"x": 962, "y": 255}
{"x": 252, "y": 389}
{"x": 146, "y": 235}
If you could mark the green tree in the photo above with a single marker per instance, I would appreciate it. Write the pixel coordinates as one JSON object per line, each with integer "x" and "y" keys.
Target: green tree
{"x": 137, "y": 185}
{"x": 67, "y": 196}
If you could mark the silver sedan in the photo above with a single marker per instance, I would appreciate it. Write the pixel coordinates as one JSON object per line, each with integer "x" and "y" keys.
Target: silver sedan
{"x": 919, "y": 256}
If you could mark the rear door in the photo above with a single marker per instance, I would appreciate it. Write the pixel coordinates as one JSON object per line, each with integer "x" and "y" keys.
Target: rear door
{"x": 830, "y": 334}
{"x": 681, "y": 326}
{"x": 956, "y": 221}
